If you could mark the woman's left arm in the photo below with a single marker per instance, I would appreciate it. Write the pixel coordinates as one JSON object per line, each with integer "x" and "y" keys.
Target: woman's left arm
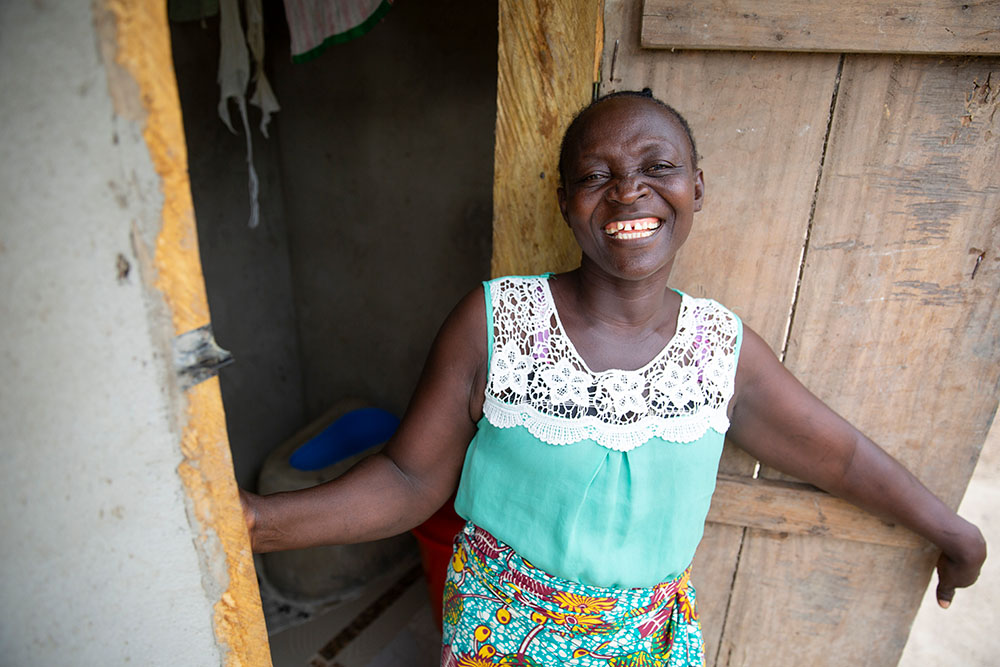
{"x": 778, "y": 421}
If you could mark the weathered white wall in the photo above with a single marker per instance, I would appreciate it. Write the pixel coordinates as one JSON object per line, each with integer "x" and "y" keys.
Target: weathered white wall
{"x": 97, "y": 564}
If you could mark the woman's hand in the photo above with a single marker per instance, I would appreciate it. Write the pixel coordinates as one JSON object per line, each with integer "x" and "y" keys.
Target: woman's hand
{"x": 960, "y": 568}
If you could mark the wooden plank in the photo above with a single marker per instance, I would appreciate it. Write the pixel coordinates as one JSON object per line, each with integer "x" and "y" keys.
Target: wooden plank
{"x": 891, "y": 329}
{"x": 801, "y": 600}
{"x": 712, "y": 574}
{"x": 842, "y": 26}
{"x": 798, "y": 509}
{"x": 760, "y": 160}
{"x": 545, "y": 75}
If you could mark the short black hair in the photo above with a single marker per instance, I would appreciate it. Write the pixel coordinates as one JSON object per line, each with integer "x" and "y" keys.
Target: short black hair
{"x": 574, "y": 127}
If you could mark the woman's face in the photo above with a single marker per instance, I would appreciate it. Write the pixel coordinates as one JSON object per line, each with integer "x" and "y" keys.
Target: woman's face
{"x": 630, "y": 188}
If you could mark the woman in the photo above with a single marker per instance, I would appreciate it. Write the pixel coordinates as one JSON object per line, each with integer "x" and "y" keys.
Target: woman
{"x": 582, "y": 417}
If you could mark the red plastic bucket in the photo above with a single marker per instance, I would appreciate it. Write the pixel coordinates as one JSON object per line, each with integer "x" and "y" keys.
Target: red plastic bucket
{"x": 435, "y": 538}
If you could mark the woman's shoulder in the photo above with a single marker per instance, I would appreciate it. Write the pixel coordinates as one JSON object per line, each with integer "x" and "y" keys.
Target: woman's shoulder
{"x": 708, "y": 311}
{"x": 517, "y": 279}
{"x": 516, "y": 292}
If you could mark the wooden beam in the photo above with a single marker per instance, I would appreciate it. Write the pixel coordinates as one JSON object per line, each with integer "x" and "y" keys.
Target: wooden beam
{"x": 547, "y": 54}
{"x": 798, "y": 509}
{"x": 844, "y": 26}
{"x": 830, "y": 602}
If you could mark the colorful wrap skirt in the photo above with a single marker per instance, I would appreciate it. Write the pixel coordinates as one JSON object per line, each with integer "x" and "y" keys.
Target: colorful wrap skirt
{"x": 500, "y": 610}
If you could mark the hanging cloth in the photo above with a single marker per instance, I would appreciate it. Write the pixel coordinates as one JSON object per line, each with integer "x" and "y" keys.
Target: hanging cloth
{"x": 234, "y": 77}
{"x": 316, "y": 24}
{"x": 263, "y": 97}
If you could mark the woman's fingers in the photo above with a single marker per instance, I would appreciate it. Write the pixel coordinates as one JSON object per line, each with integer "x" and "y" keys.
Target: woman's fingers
{"x": 947, "y": 581}
{"x": 945, "y": 594}
{"x": 962, "y": 571}
{"x": 249, "y": 514}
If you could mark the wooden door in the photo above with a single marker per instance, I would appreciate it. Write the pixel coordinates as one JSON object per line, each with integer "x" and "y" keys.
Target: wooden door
{"x": 851, "y": 219}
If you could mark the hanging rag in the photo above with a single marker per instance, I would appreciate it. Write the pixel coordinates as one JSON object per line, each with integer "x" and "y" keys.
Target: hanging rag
{"x": 316, "y": 24}
{"x": 234, "y": 77}
{"x": 263, "y": 97}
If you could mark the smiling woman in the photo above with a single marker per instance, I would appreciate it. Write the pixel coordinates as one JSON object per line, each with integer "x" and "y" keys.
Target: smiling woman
{"x": 582, "y": 415}
{"x": 629, "y": 183}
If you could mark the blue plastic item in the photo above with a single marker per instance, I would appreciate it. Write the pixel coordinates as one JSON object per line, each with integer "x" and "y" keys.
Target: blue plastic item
{"x": 351, "y": 434}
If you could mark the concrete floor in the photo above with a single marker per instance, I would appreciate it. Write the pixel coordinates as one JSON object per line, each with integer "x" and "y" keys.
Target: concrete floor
{"x": 404, "y": 635}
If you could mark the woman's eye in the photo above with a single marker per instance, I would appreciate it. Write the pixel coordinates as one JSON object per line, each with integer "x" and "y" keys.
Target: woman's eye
{"x": 591, "y": 178}
{"x": 658, "y": 167}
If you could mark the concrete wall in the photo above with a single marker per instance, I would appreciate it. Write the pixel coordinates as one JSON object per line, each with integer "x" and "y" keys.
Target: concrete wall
{"x": 97, "y": 561}
{"x": 387, "y": 158}
{"x": 379, "y": 170}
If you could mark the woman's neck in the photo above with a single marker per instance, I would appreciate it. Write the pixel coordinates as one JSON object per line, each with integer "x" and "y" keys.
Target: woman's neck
{"x": 615, "y": 323}
{"x": 638, "y": 305}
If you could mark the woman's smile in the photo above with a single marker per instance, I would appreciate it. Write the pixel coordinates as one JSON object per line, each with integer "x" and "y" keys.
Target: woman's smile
{"x": 625, "y": 230}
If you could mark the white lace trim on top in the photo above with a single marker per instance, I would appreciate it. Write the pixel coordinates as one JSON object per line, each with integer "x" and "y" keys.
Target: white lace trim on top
{"x": 539, "y": 381}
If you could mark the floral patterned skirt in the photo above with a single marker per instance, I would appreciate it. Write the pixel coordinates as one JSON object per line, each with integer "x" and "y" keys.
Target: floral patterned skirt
{"x": 500, "y": 610}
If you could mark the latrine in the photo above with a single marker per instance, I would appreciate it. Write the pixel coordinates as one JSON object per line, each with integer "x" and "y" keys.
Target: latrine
{"x": 851, "y": 219}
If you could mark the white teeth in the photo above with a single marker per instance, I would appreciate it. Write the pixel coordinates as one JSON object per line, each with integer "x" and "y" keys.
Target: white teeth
{"x": 632, "y": 229}
{"x": 633, "y": 235}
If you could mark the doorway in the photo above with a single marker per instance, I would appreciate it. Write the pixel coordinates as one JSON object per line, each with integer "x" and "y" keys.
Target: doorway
{"x": 375, "y": 196}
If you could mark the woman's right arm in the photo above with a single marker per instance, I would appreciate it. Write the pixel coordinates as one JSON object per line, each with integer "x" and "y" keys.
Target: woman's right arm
{"x": 413, "y": 475}
{"x": 778, "y": 421}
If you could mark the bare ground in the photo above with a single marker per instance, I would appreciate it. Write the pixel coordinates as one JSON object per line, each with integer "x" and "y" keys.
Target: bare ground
{"x": 968, "y": 633}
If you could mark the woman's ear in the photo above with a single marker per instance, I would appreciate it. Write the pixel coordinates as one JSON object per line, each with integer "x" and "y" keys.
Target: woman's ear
{"x": 561, "y": 196}
{"x": 699, "y": 190}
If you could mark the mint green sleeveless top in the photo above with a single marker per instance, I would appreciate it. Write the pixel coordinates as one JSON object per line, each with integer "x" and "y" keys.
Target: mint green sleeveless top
{"x": 604, "y": 478}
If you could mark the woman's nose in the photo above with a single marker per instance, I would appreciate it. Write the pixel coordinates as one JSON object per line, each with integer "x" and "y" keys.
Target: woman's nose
{"x": 627, "y": 189}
